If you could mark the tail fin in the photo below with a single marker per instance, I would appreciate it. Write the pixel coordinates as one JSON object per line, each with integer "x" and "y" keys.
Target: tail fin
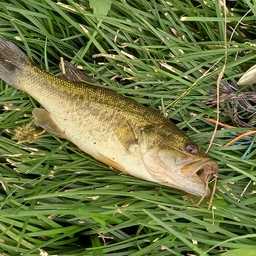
{"x": 12, "y": 60}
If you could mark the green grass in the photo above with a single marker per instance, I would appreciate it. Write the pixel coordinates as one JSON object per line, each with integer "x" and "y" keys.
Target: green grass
{"x": 56, "y": 200}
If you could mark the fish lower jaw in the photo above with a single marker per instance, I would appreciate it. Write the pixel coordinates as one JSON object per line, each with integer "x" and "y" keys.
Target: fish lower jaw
{"x": 189, "y": 185}
{"x": 192, "y": 185}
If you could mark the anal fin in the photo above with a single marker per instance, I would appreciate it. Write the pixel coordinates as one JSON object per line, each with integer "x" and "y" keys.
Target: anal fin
{"x": 43, "y": 119}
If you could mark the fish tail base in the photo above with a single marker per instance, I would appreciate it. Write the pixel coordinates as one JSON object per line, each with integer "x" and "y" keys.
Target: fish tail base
{"x": 12, "y": 61}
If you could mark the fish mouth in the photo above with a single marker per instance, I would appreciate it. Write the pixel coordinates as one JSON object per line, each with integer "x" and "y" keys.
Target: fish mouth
{"x": 201, "y": 172}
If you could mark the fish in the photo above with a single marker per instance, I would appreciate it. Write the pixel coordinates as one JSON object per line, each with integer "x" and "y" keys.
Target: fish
{"x": 114, "y": 129}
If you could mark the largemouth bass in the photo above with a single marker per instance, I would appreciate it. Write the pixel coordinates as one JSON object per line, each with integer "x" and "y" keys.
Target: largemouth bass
{"x": 113, "y": 129}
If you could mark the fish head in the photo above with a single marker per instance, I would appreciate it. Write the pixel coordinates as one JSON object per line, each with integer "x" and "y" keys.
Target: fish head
{"x": 176, "y": 161}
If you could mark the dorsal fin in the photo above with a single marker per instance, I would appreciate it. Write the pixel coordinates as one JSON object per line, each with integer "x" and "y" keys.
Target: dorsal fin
{"x": 73, "y": 74}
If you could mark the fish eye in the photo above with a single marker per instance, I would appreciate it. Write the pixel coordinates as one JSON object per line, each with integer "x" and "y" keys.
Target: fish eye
{"x": 191, "y": 148}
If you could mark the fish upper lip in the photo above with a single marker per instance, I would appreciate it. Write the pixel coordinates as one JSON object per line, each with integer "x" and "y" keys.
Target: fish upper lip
{"x": 200, "y": 171}
{"x": 207, "y": 167}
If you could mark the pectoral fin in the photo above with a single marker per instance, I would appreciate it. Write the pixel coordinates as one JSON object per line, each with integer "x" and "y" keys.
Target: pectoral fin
{"x": 124, "y": 132}
{"x": 43, "y": 119}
